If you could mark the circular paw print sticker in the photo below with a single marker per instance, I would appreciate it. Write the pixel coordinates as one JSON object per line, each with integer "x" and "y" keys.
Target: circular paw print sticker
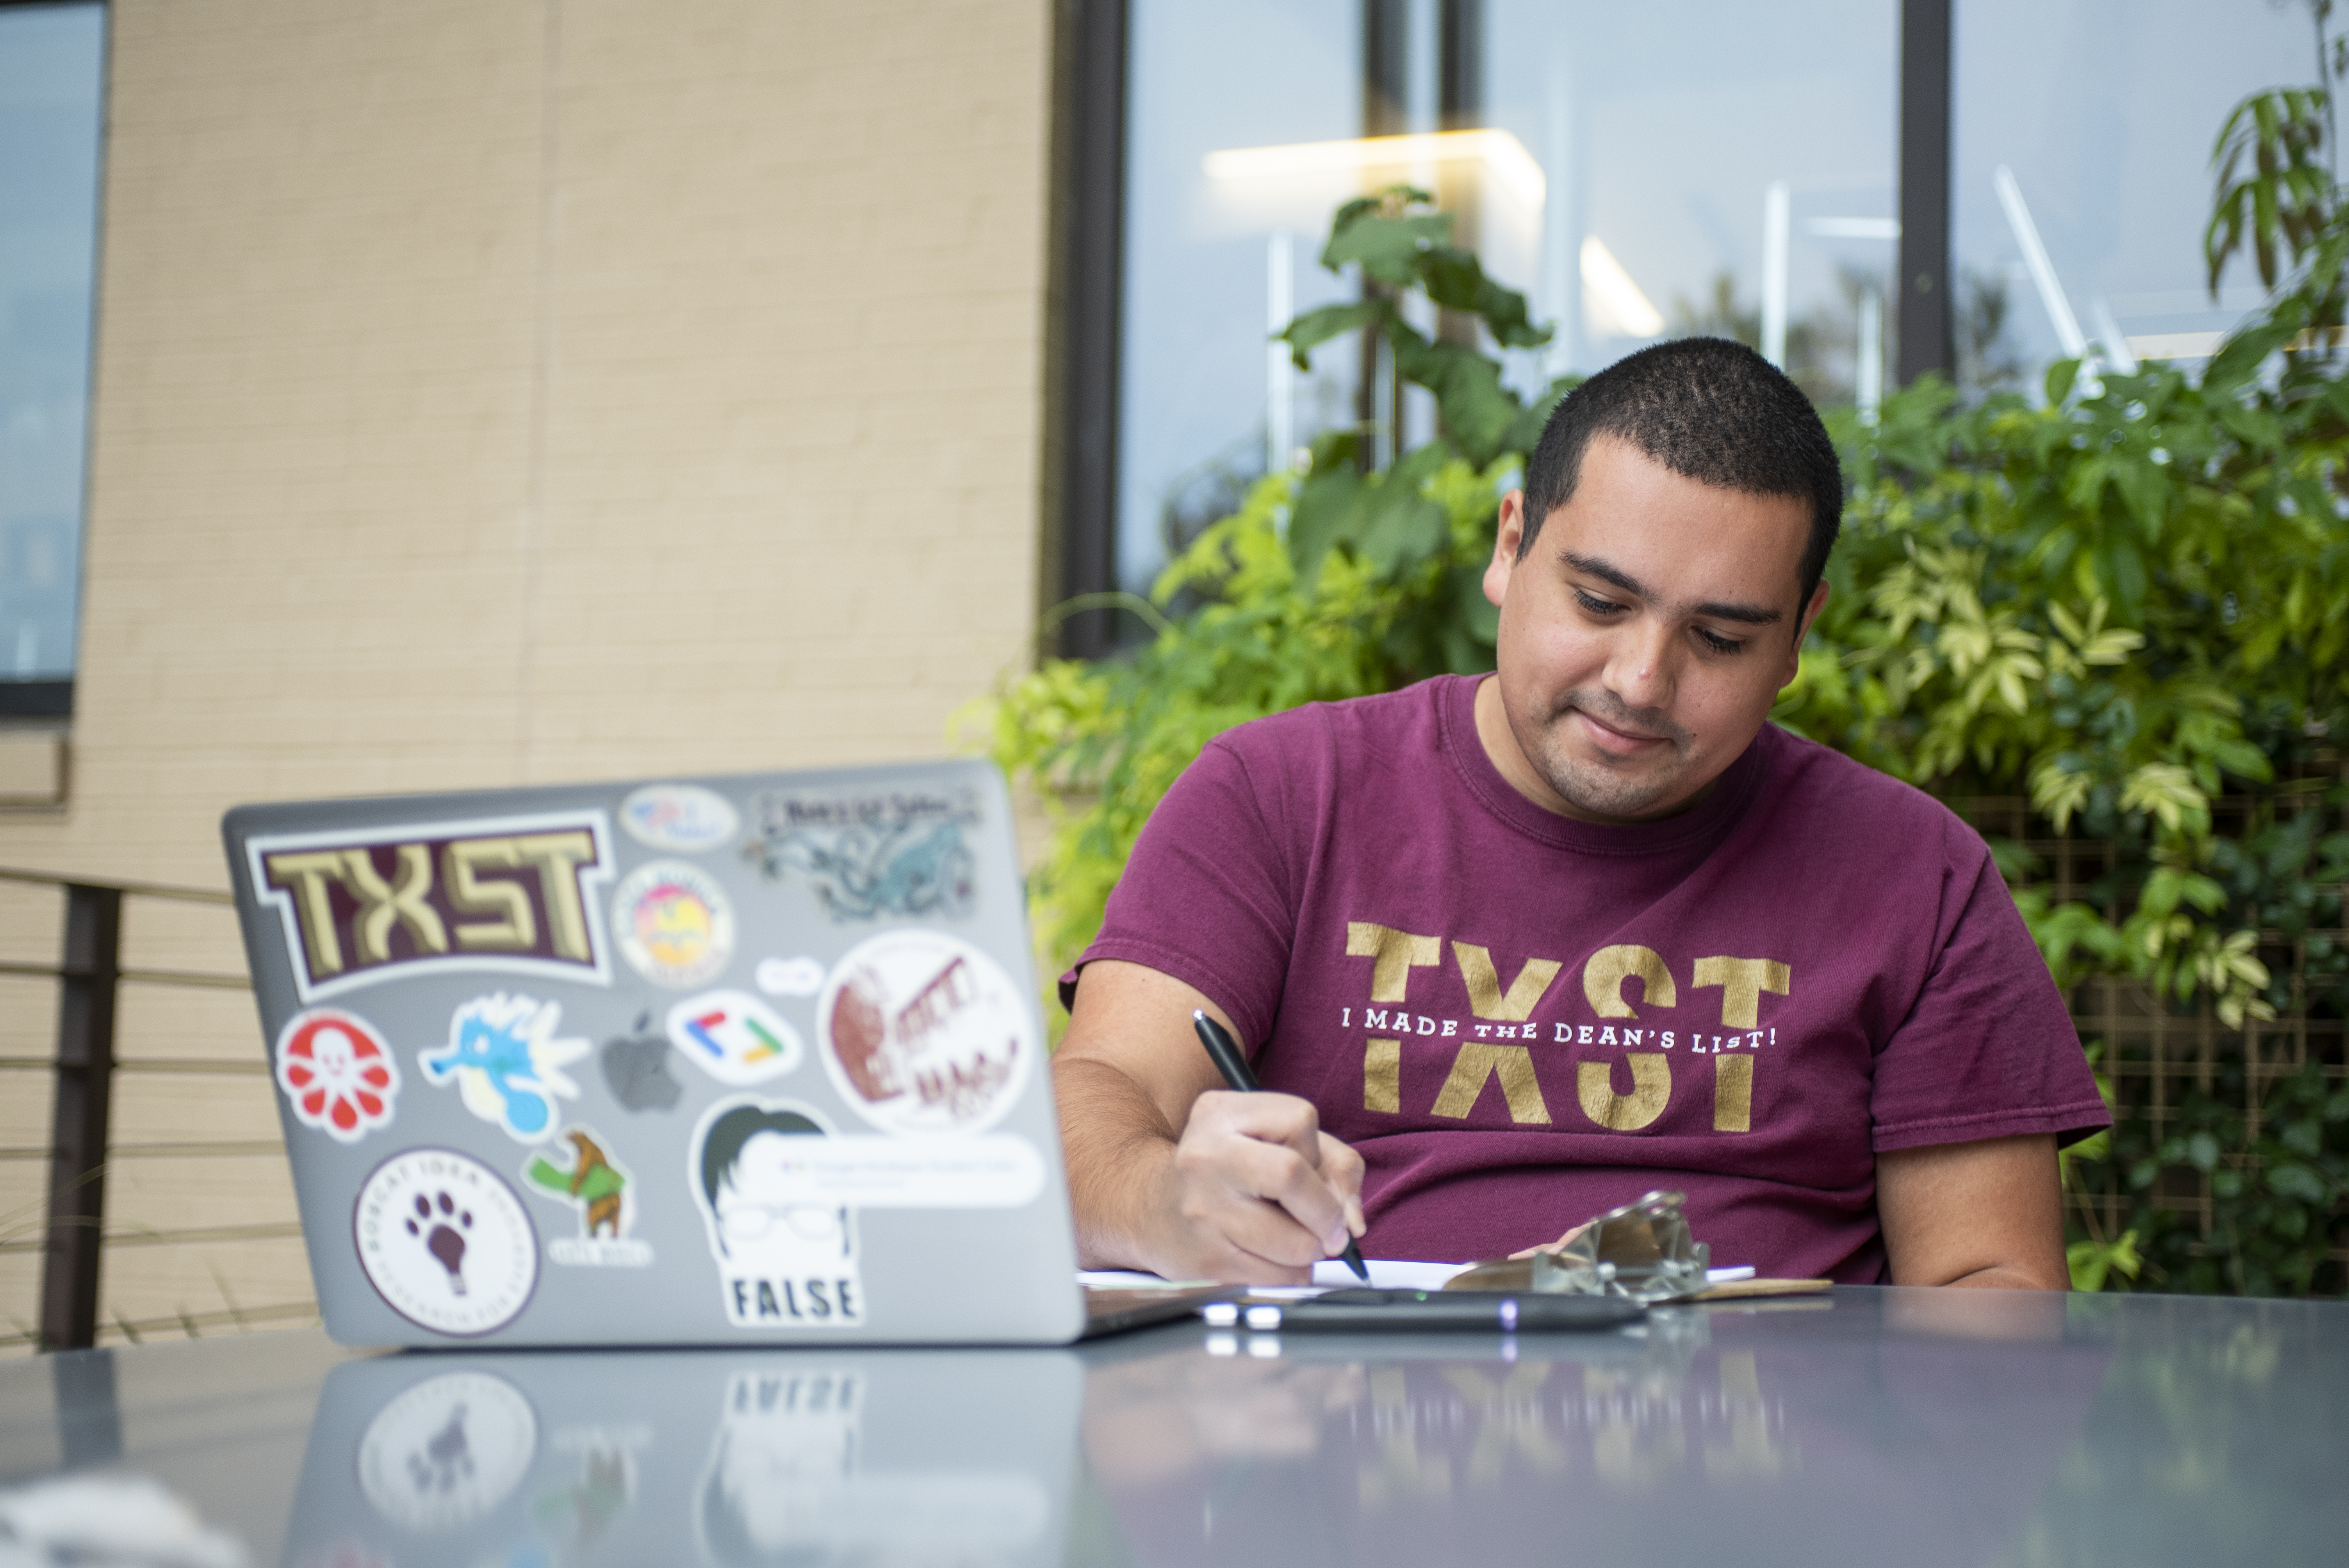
{"x": 445, "y": 1243}
{"x": 340, "y": 1075}
{"x": 447, "y": 1451}
{"x": 924, "y": 1033}
{"x": 674, "y": 923}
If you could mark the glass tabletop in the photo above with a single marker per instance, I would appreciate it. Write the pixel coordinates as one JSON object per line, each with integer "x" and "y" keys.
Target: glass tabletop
{"x": 1949, "y": 1427}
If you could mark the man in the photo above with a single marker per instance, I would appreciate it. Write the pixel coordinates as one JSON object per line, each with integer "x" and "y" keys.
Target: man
{"x": 1515, "y": 950}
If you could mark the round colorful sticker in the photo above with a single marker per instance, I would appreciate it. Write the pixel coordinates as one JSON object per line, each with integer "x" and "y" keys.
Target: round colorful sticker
{"x": 447, "y": 1451}
{"x": 924, "y": 1033}
{"x": 683, "y": 818}
{"x": 338, "y": 1074}
{"x": 674, "y": 922}
{"x": 445, "y": 1243}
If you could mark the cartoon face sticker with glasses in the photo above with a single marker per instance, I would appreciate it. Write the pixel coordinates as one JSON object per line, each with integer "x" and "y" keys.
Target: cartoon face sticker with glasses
{"x": 786, "y": 1255}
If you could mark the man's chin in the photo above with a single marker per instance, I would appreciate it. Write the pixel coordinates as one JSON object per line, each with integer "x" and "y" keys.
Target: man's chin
{"x": 1619, "y": 794}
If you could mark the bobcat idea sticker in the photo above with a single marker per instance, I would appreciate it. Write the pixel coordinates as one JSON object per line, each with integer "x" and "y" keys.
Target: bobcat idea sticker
{"x": 446, "y": 1243}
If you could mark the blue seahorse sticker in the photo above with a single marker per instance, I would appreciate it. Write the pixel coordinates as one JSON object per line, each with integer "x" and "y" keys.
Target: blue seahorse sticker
{"x": 508, "y": 1062}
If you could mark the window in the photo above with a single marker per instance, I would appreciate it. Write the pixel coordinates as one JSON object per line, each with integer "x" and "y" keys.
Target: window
{"x": 52, "y": 69}
{"x": 2080, "y": 179}
{"x": 1642, "y": 171}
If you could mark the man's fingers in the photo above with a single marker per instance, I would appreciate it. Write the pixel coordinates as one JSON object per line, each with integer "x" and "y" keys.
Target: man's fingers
{"x": 1278, "y": 1174}
{"x": 1342, "y": 1168}
{"x": 1257, "y": 1169}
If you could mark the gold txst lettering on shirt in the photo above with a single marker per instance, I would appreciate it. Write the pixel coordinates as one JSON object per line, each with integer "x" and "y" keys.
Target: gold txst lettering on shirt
{"x": 1383, "y": 1076}
{"x": 1741, "y": 983}
{"x": 1651, "y": 1087}
{"x": 1396, "y": 954}
{"x": 1514, "y": 1065}
{"x": 1732, "y": 1094}
{"x": 1603, "y": 977}
{"x": 1486, "y": 998}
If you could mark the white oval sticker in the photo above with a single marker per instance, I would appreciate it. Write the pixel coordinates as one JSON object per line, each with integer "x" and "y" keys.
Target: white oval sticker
{"x": 685, "y": 817}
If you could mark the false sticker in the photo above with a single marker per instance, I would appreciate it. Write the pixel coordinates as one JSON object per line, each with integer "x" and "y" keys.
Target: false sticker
{"x": 445, "y": 1243}
{"x": 924, "y": 1033}
{"x": 579, "y": 1169}
{"x": 508, "y": 1062}
{"x": 674, "y": 923}
{"x": 734, "y": 1037}
{"x": 786, "y": 1251}
{"x": 340, "y": 1075}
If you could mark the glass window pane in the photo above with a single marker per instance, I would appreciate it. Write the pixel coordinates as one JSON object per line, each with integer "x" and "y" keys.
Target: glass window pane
{"x": 1209, "y": 257}
{"x": 2103, "y": 114}
{"x": 1718, "y": 167}
{"x": 52, "y": 64}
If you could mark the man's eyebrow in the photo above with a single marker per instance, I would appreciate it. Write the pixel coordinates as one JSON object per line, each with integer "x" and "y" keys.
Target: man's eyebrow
{"x": 1605, "y": 572}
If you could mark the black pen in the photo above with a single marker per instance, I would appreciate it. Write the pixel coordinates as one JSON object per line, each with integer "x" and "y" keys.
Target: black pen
{"x": 1225, "y": 1052}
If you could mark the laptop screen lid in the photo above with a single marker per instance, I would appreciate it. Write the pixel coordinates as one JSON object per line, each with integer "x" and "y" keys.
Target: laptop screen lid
{"x": 745, "y": 1059}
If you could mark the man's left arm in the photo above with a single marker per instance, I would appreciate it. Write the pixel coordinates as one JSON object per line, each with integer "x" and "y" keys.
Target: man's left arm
{"x": 1988, "y": 1214}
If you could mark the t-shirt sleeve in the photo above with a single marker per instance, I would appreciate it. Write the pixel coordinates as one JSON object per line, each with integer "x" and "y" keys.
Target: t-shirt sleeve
{"x": 1989, "y": 1049}
{"x": 1205, "y": 896}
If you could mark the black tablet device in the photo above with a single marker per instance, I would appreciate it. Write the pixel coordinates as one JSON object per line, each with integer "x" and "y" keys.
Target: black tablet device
{"x": 1505, "y": 1312}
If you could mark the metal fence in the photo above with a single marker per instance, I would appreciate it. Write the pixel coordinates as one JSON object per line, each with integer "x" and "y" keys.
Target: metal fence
{"x": 74, "y": 1237}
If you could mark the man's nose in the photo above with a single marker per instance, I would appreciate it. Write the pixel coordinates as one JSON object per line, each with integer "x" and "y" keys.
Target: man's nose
{"x": 1643, "y": 665}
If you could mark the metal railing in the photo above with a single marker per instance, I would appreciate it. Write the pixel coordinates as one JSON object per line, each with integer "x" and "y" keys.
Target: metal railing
{"x": 74, "y": 1237}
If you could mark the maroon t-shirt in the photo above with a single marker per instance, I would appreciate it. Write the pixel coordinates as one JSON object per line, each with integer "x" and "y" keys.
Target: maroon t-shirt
{"x": 1520, "y": 1020}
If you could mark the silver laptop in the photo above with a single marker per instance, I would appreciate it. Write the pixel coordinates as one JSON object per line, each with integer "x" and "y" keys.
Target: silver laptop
{"x": 706, "y": 1060}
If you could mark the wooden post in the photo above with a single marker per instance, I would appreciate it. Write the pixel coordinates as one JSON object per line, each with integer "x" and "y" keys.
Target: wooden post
{"x": 85, "y": 1090}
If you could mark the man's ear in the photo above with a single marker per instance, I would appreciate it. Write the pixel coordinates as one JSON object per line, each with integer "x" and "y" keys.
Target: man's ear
{"x": 1506, "y": 541}
{"x": 1802, "y": 631}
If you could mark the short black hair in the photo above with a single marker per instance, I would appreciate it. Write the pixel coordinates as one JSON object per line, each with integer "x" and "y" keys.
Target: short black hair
{"x": 1711, "y": 410}
{"x": 723, "y": 1147}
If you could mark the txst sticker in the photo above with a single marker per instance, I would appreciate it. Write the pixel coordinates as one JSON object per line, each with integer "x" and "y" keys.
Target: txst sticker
{"x": 867, "y": 856}
{"x": 675, "y": 924}
{"x": 445, "y": 1243}
{"x": 515, "y": 892}
{"x": 339, "y": 1075}
{"x": 734, "y": 1037}
{"x": 924, "y": 1033}
{"x": 443, "y": 1453}
{"x": 786, "y": 1253}
{"x": 508, "y": 1064}
{"x": 579, "y": 1169}
{"x": 682, "y": 817}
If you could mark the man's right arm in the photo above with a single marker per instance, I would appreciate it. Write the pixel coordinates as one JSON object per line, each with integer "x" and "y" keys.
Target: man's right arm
{"x": 1171, "y": 1173}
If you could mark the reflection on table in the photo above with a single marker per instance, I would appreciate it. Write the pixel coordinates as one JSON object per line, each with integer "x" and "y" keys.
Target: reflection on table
{"x": 1920, "y": 1427}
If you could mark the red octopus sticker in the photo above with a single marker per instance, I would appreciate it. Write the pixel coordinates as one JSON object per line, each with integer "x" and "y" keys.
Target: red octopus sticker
{"x": 338, "y": 1073}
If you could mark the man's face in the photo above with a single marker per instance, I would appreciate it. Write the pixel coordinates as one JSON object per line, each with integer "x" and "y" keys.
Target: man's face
{"x": 1643, "y": 639}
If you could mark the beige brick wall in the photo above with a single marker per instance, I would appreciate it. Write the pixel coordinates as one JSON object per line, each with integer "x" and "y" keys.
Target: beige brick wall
{"x": 498, "y": 391}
